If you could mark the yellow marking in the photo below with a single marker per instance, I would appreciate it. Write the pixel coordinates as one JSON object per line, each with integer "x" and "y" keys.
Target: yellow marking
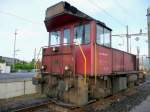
{"x": 83, "y": 54}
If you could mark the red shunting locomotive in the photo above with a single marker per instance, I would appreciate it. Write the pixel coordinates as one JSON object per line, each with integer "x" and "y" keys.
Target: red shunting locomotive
{"x": 79, "y": 64}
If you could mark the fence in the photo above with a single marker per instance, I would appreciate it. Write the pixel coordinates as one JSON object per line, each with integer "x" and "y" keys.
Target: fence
{"x": 13, "y": 88}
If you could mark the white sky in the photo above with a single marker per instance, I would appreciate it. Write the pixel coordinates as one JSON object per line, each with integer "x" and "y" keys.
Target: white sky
{"x": 27, "y": 17}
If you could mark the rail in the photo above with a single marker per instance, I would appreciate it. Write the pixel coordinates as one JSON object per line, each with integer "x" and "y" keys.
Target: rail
{"x": 37, "y": 64}
{"x": 33, "y": 108}
{"x": 39, "y": 53}
{"x": 37, "y": 59}
{"x": 83, "y": 54}
{"x": 50, "y": 105}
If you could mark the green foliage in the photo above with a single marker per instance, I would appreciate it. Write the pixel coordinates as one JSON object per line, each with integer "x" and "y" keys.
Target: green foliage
{"x": 23, "y": 66}
{"x": 2, "y": 61}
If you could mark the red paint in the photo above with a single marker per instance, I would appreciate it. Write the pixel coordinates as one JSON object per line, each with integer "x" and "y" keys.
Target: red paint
{"x": 109, "y": 60}
{"x": 46, "y": 60}
{"x": 118, "y": 60}
{"x": 129, "y": 62}
{"x": 61, "y": 20}
{"x": 93, "y": 36}
{"x": 80, "y": 60}
{"x": 104, "y": 60}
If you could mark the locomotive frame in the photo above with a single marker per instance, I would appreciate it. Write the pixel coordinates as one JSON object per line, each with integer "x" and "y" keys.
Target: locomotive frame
{"x": 78, "y": 71}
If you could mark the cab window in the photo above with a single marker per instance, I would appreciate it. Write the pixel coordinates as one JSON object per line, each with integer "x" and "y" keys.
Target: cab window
{"x": 66, "y": 39}
{"x": 82, "y": 34}
{"x": 103, "y": 36}
{"x": 99, "y": 35}
{"x": 86, "y": 36}
{"x": 107, "y": 35}
{"x": 54, "y": 38}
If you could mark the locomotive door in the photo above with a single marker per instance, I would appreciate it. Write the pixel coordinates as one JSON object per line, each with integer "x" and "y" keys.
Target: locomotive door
{"x": 64, "y": 59}
{"x": 56, "y": 64}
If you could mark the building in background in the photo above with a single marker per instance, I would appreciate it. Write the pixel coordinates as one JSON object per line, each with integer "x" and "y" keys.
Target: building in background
{"x": 8, "y": 60}
{"x": 4, "y": 68}
{"x": 144, "y": 63}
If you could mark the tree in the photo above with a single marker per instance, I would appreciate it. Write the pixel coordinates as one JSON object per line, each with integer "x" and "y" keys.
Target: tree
{"x": 2, "y": 61}
{"x": 23, "y": 66}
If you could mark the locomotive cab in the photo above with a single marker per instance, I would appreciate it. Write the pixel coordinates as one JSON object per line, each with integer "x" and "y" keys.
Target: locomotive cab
{"x": 64, "y": 42}
{"x": 68, "y": 29}
{"x": 63, "y": 47}
{"x": 79, "y": 64}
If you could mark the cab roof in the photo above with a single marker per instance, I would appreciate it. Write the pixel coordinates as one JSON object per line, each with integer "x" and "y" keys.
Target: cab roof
{"x": 63, "y": 13}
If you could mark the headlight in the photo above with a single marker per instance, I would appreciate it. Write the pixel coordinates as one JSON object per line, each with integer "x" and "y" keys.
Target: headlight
{"x": 54, "y": 49}
{"x": 66, "y": 67}
{"x": 43, "y": 67}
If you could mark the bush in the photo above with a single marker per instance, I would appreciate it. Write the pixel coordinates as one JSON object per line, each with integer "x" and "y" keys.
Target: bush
{"x": 28, "y": 66}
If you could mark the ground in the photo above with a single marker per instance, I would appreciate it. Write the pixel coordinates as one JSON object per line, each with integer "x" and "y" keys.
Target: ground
{"x": 132, "y": 100}
{"x": 8, "y": 105}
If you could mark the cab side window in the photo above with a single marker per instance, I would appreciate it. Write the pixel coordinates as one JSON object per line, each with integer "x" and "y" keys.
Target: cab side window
{"x": 99, "y": 35}
{"x": 78, "y": 33}
{"x": 103, "y": 36}
{"x": 86, "y": 33}
{"x": 66, "y": 39}
{"x": 107, "y": 35}
{"x": 54, "y": 38}
{"x": 82, "y": 34}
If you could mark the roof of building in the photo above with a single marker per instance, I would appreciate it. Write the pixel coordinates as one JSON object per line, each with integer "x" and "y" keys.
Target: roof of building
{"x": 9, "y": 60}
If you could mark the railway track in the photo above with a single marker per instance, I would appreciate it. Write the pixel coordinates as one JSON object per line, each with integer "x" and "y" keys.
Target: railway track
{"x": 57, "y": 106}
{"x": 34, "y": 108}
{"x": 53, "y": 105}
{"x": 50, "y": 106}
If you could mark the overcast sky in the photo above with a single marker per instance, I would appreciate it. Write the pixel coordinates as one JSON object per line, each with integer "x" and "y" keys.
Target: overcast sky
{"x": 27, "y": 17}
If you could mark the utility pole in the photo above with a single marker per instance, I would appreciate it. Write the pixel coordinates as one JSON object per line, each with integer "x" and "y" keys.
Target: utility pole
{"x": 148, "y": 24}
{"x": 138, "y": 51}
{"x": 35, "y": 58}
{"x": 14, "y": 48}
{"x": 130, "y": 36}
{"x": 35, "y": 54}
{"x": 127, "y": 35}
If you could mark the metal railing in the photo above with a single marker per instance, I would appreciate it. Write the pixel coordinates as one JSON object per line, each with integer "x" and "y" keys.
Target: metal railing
{"x": 84, "y": 57}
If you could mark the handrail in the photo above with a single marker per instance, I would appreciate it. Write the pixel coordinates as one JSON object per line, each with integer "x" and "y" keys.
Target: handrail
{"x": 39, "y": 53}
{"x": 37, "y": 60}
{"x": 83, "y": 54}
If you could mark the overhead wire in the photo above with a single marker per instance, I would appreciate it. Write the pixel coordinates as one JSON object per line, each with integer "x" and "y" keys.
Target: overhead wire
{"x": 20, "y": 17}
{"x": 34, "y": 22}
{"x": 124, "y": 10}
{"x": 125, "y": 13}
{"x": 107, "y": 13}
